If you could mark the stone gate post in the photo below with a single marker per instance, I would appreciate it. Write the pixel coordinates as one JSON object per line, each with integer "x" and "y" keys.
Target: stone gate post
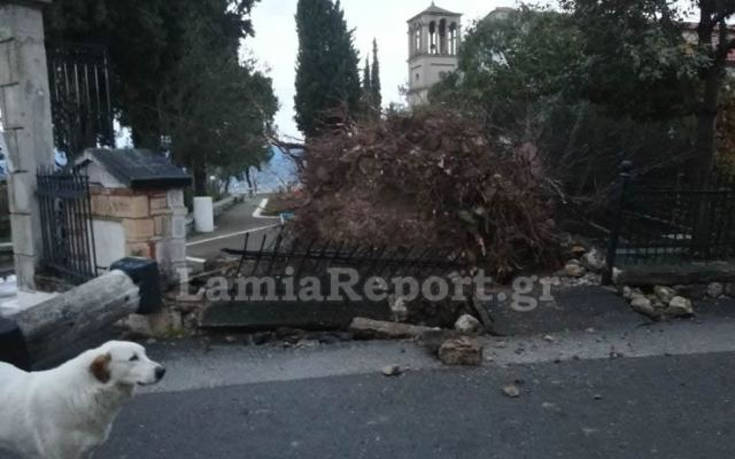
{"x": 26, "y": 119}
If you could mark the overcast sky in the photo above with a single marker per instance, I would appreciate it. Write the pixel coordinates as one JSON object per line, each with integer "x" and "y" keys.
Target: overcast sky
{"x": 275, "y": 44}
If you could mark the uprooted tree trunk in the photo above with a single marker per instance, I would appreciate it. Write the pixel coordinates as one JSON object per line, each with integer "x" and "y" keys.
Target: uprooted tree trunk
{"x": 52, "y": 326}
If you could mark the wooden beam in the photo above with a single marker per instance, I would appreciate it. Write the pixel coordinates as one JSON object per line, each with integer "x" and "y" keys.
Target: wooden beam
{"x": 52, "y": 326}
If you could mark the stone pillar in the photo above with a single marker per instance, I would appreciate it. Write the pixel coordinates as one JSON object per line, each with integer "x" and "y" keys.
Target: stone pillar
{"x": 26, "y": 117}
{"x": 140, "y": 223}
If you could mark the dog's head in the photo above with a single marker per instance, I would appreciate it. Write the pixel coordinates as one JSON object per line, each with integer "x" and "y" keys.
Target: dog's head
{"x": 124, "y": 363}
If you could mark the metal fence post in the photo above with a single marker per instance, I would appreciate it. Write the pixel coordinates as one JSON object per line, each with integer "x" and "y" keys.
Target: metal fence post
{"x": 612, "y": 246}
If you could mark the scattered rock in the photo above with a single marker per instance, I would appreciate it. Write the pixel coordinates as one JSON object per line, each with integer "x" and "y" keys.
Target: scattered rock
{"x": 597, "y": 397}
{"x": 594, "y": 261}
{"x": 433, "y": 339}
{"x": 369, "y": 328}
{"x": 461, "y": 351}
{"x": 643, "y": 305}
{"x": 574, "y": 269}
{"x": 715, "y": 290}
{"x": 549, "y": 338}
{"x": 391, "y": 370}
{"x": 230, "y": 339}
{"x": 578, "y": 250}
{"x": 627, "y": 293}
{"x": 512, "y": 391}
{"x": 468, "y": 324}
{"x": 585, "y": 280}
{"x": 289, "y": 335}
{"x": 665, "y": 294}
{"x": 307, "y": 343}
{"x": 680, "y": 307}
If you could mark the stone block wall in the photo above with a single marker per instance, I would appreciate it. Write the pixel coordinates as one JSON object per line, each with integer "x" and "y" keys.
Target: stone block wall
{"x": 153, "y": 224}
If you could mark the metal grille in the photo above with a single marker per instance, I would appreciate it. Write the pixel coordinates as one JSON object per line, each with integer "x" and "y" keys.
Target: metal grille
{"x": 66, "y": 224}
{"x": 674, "y": 224}
{"x": 269, "y": 255}
{"x": 81, "y": 108}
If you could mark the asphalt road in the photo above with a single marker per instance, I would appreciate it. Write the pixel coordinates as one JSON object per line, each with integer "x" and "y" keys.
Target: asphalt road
{"x": 662, "y": 406}
{"x": 230, "y": 230}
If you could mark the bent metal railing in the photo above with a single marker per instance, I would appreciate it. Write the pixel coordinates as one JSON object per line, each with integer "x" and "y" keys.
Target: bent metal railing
{"x": 66, "y": 224}
{"x": 271, "y": 254}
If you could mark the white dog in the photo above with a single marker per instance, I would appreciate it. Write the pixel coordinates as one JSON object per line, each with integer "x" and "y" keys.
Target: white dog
{"x": 66, "y": 412}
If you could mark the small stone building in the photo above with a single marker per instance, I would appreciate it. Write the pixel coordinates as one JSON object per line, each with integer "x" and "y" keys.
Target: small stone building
{"x": 138, "y": 209}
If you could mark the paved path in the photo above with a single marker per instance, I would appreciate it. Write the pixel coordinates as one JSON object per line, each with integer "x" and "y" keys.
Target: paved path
{"x": 663, "y": 390}
{"x": 230, "y": 229}
{"x": 659, "y": 405}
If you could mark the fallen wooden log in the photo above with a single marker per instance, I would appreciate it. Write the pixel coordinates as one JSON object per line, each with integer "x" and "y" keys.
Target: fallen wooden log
{"x": 52, "y": 326}
{"x": 362, "y": 327}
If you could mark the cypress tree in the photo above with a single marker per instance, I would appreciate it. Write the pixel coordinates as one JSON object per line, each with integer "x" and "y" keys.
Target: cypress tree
{"x": 327, "y": 75}
{"x": 367, "y": 94}
{"x": 366, "y": 76}
{"x": 377, "y": 99}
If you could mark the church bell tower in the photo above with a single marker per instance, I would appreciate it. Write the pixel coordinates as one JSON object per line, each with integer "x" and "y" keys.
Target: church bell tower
{"x": 434, "y": 37}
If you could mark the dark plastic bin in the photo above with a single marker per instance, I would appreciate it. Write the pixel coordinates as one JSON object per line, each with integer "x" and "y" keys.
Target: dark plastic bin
{"x": 144, "y": 272}
{"x": 13, "y": 348}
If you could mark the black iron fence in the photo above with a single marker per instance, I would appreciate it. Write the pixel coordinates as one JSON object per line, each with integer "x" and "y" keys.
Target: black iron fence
{"x": 81, "y": 107}
{"x": 66, "y": 224}
{"x": 672, "y": 224}
{"x": 272, "y": 254}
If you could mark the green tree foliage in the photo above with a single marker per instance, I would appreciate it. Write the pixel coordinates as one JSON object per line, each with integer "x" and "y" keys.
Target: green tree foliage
{"x": 508, "y": 65}
{"x": 527, "y": 77}
{"x": 218, "y": 111}
{"x": 646, "y": 36}
{"x": 177, "y": 75}
{"x": 327, "y": 76}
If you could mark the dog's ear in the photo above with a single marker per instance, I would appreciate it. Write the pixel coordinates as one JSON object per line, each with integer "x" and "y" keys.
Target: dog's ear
{"x": 100, "y": 369}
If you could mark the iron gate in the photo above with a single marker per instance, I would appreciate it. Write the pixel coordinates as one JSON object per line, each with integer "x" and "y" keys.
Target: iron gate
{"x": 81, "y": 106}
{"x": 66, "y": 224}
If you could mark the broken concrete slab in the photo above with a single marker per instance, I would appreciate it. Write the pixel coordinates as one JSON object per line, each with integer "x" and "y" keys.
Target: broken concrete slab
{"x": 308, "y": 315}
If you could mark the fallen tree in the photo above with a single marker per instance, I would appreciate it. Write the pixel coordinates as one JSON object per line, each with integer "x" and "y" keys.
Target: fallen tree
{"x": 432, "y": 179}
{"x": 51, "y": 327}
